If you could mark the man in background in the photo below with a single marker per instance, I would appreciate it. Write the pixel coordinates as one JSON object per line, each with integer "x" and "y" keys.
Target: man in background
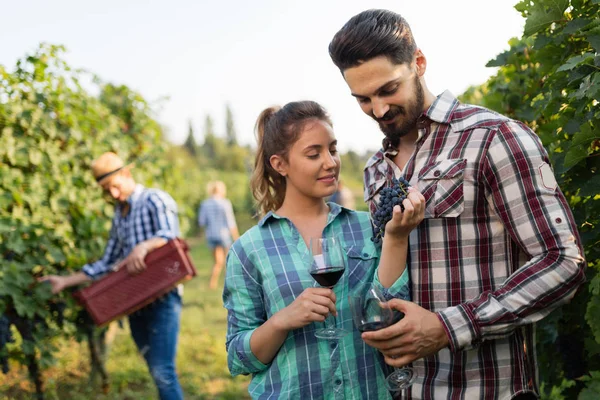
{"x": 144, "y": 220}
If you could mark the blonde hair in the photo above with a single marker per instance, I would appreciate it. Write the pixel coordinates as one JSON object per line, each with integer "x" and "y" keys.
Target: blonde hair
{"x": 216, "y": 187}
{"x": 277, "y": 129}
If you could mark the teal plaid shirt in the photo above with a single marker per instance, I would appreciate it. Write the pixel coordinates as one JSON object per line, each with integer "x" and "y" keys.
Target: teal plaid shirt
{"x": 267, "y": 268}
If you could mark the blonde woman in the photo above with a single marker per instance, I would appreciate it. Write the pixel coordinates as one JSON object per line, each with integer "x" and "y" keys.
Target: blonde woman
{"x": 217, "y": 219}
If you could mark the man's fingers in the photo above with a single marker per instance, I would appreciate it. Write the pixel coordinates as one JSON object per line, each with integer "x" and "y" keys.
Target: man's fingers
{"x": 383, "y": 345}
{"x": 44, "y": 279}
{"x": 399, "y": 305}
{"x": 401, "y": 361}
{"x": 384, "y": 334}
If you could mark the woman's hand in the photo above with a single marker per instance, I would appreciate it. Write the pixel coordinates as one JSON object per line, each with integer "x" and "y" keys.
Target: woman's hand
{"x": 403, "y": 222}
{"x": 312, "y": 305}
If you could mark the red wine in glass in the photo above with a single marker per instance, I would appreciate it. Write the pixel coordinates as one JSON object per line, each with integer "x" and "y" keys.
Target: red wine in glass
{"x": 326, "y": 266}
{"x": 370, "y": 313}
{"x": 328, "y": 277}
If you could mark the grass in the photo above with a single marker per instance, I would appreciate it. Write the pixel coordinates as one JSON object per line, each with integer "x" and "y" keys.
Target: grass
{"x": 201, "y": 356}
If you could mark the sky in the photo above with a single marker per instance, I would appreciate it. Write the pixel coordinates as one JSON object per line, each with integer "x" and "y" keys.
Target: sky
{"x": 190, "y": 59}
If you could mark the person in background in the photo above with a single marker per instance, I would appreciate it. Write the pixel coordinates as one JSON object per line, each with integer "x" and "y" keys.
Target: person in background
{"x": 343, "y": 196}
{"x": 144, "y": 220}
{"x": 498, "y": 248}
{"x": 270, "y": 296}
{"x": 217, "y": 219}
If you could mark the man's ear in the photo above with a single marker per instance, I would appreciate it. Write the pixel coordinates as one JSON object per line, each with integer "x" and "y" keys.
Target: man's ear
{"x": 420, "y": 62}
{"x": 279, "y": 164}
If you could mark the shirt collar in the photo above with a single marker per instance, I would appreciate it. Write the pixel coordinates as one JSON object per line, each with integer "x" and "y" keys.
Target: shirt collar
{"x": 334, "y": 210}
{"x": 442, "y": 108}
{"x": 440, "y": 111}
{"x": 137, "y": 192}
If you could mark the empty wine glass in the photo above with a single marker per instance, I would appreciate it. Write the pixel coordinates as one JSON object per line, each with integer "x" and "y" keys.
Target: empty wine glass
{"x": 327, "y": 266}
{"x": 370, "y": 313}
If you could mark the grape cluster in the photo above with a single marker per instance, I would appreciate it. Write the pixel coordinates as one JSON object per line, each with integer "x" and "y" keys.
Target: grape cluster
{"x": 389, "y": 197}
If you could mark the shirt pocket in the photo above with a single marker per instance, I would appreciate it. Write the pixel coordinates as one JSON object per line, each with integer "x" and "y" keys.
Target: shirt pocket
{"x": 373, "y": 189}
{"x": 361, "y": 262}
{"x": 442, "y": 185}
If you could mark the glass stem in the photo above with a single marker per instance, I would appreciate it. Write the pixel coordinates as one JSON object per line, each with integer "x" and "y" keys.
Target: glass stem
{"x": 330, "y": 319}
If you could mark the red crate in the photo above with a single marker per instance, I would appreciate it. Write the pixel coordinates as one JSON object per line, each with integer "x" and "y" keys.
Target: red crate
{"x": 120, "y": 294}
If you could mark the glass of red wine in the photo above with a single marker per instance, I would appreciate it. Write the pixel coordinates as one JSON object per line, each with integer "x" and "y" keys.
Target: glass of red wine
{"x": 327, "y": 266}
{"x": 371, "y": 313}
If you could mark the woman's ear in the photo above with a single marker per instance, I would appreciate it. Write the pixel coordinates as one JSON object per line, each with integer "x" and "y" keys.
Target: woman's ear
{"x": 278, "y": 164}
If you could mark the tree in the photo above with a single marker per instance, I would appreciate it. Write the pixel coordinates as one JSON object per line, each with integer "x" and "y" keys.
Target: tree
{"x": 190, "y": 142}
{"x": 210, "y": 147}
{"x": 230, "y": 132}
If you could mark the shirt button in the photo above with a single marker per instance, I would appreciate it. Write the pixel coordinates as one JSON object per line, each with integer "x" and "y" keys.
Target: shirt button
{"x": 365, "y": 255}
{"x": 558, "y": 220}
{"x": 338, "y": 382}
{"x": 437, "y": 173}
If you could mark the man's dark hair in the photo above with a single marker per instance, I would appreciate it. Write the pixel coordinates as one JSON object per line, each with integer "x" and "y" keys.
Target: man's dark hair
{"x": 371, "y": 34}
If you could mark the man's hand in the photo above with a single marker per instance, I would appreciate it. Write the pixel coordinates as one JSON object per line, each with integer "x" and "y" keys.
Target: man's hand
{"x": 419, "y": 334}
{"x": 58, "y": 283}
{"x": 134, "y": 262}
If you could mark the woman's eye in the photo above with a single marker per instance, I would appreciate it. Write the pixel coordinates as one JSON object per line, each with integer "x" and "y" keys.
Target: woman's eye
{"x": 333, "y": 151}
{"x": 313, "y": 156}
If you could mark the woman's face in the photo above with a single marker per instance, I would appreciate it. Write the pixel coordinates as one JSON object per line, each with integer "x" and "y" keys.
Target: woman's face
{"x": 313, "y": 163}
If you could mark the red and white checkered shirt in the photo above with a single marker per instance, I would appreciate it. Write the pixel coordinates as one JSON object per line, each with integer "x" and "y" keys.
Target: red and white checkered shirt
{"x": 498, "y": 248}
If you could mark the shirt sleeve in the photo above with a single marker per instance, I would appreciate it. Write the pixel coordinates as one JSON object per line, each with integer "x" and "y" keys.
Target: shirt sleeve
{"x": 399, "y": 289}
{"x": 96, "y": 269}
{"x": 242, "y": 297}
{"x": 522, "y": 190}
{"x": 163, "y": 214}
{"x": 230, "y": 217}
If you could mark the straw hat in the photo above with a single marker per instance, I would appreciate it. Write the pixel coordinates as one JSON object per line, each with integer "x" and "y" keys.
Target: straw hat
{"x": 107, "y": 165}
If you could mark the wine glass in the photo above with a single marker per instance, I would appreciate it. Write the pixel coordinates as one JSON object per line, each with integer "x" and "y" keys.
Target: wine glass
{"x": 327, "y": 266}
{"x": 370, "y": 313}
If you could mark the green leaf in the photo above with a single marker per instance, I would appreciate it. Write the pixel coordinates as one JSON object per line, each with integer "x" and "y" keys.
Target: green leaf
{"x": 574, "y": 61}
{"x": 591, "y": 188}
{"x": 575, "y": 25}
{"x": 575, "y": 155}
{"x": 585, "y": 136}
{"x": 594, "y": 41}
{"x": 541, "y": 15}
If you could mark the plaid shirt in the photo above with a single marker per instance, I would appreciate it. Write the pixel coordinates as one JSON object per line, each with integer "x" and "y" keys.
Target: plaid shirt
{"x": 216, "y": 216}
{"x": 267, "y": 268}
{"x": 152, "y": 213}
{"x": 497, "y": 251}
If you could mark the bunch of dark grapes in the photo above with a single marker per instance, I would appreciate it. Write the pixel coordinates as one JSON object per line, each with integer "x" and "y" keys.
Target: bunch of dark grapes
{"x": 389, "y": 197}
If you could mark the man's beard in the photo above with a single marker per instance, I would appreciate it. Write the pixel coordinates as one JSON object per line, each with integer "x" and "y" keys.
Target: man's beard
{"x": 408, "y": 116}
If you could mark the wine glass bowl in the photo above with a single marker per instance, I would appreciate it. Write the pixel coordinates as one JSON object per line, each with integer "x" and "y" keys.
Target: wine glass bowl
{"x": 370, "y": 312}
{"x": 327, "y": 265}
